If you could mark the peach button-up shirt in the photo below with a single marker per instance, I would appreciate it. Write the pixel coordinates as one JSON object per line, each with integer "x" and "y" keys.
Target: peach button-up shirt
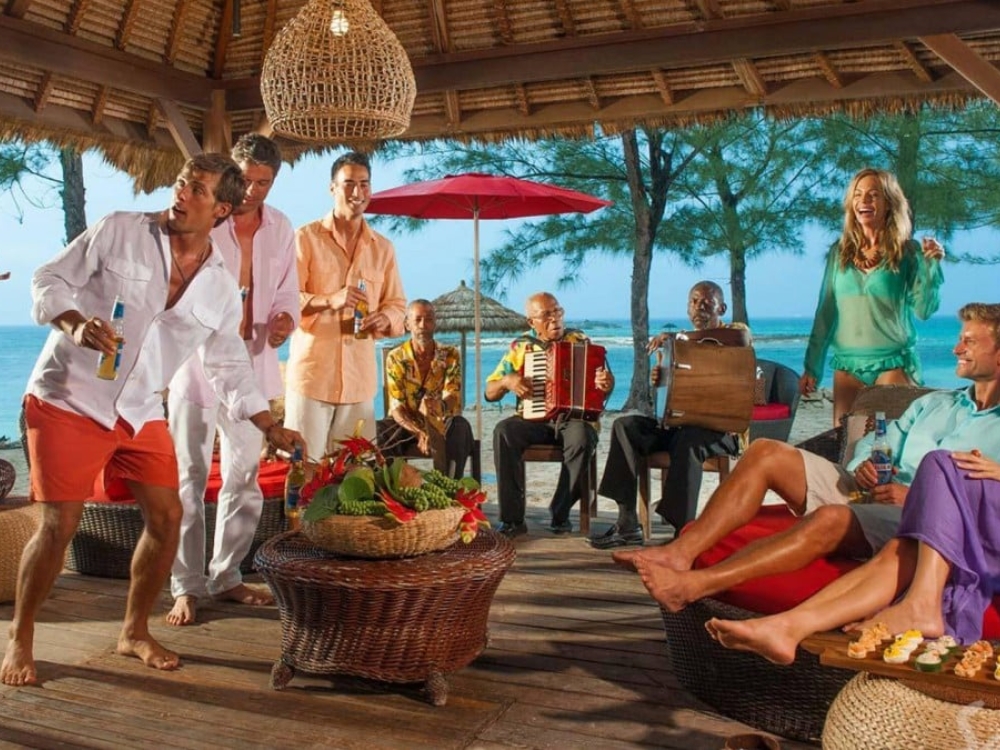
{"x": 325, "y": 361}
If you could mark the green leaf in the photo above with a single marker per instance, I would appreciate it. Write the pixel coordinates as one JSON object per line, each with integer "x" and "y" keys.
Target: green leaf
{"x": 366, "y": 474}
{"x": 468, "y": 483}
{"x": 324, "y": 503}
{"x": 354, "y": 488}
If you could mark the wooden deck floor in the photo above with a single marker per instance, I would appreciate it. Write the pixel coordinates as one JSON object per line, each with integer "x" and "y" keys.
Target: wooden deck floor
{"x": 576, "y": 660}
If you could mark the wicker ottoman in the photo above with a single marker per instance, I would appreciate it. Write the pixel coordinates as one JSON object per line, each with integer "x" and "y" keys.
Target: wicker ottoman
{"x": 17, "y": 525}
{"x": 882, "y": 713}
{"x": 790, "y": 701}
{"x": 109, "y": 531}
{"x": 406, "y": 620}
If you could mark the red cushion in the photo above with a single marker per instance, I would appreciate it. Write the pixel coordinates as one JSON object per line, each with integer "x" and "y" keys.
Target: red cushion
{"x": 782, "y": 592}
{"x": 771, "y": 411}
{"x": 271, "y": 480}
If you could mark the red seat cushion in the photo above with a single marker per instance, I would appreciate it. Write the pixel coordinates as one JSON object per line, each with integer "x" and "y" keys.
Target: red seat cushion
{"x": 781, "y": 592}
{"x": 271, "y": 480}
{"x": 768, "y": 412}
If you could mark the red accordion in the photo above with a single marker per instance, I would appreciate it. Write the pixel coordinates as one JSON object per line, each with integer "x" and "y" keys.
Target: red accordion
{"x": 562, "y": 378}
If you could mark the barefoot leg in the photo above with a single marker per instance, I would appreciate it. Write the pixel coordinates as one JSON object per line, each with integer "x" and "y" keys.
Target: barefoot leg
{"x": 151, "y": 562}
{"x": 41, "y": 563}
{"x": 765, "y": 636}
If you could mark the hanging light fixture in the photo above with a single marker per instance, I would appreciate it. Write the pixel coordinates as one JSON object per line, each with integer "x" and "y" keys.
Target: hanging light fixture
{"x": 337, "y": 73}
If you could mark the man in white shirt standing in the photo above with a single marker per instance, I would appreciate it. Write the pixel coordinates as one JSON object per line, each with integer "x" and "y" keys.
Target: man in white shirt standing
{"x": 257, "y": 244}
{"x": 83, "y": 431}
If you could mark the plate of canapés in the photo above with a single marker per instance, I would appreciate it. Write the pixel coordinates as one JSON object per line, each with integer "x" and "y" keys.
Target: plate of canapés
{"x": 925, "y": 655}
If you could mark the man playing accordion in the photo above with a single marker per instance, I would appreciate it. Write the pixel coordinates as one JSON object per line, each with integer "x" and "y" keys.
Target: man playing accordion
{"x": 636, "y": 436}
{"x": 577, "y": 437}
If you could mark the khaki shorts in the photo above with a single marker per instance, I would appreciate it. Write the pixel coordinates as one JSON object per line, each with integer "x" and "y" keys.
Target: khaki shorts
{"x": 827, "y": 483}
{"x": 73, "y": 458}
{"x": 322, "y": 424}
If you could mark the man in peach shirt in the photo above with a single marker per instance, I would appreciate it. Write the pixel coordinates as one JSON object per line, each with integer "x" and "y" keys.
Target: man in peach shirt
{"x": 331, "y": 378}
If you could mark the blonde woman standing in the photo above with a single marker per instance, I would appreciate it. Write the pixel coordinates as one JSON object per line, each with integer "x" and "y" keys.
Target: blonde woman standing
{"x": 877, "y": 279}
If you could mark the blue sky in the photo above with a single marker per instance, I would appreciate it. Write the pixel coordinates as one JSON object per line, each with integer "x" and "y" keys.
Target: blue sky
{"x": 434, "y": 260}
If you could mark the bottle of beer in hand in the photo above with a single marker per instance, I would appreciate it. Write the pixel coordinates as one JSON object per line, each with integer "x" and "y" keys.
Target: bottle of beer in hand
{"x": 108, "y": 364}
{"x": 881, "y": 450}
{"x": 360, "y": 311}
{"x": 293, "y": 488}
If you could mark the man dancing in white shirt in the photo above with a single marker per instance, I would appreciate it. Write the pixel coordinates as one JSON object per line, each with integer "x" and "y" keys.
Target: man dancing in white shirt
{"x": 258, "y": 246}
{"x": 179, "y": 300}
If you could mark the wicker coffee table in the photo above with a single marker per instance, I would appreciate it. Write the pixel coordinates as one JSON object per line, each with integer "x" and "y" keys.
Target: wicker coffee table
{"x": 409, "y": 620}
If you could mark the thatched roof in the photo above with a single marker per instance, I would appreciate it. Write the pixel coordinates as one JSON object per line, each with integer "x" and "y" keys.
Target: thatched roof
{"x": 454, "y": 311}
{"x": 147, "y": 80}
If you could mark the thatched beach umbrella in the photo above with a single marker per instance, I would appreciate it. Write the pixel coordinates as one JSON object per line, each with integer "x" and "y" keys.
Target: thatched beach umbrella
{"x": 456, "y": 311}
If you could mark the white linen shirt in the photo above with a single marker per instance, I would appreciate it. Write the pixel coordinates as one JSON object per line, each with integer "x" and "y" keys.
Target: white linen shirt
{"x": 275, "y": 290}
{"x": 127, "y": 254}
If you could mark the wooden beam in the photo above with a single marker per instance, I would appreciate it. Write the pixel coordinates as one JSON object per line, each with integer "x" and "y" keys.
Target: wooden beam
{"x": 971, "y": 66}
{"x": 26, "y": 43}
{"x": 127, "y": 24}
{"x": 829, "y": 71}
{"x": 222, "y": 41}
{"x": 503, "y": 23}
{"x": 851, "y": 25}
{"x": 61, "y": 119}
{"x": 178, "y": 127}
{"x": 439, "y": 26}
{"x": 663, "y": 86}
{"x": 708, "y": 9}
{"x": 566, "y": 18}
{"x": 750, "y": 77}
{"x": 75, "y": 16}
{"x": 100, "y": 102}
{"x": 632, "y": 17}
{"x": 43, "y": 92}
{"x": 217, "y": 131}
{"x": 911, "y": 59}
{"x": 174, "y": 36}
{"x": 268, "y": 29}
{"x": 452, "y": 109}
{"x": 650, "y": 107}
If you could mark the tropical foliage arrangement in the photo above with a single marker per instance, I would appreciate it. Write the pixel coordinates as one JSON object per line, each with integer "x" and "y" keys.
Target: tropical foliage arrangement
{"x": 357, "y": 480}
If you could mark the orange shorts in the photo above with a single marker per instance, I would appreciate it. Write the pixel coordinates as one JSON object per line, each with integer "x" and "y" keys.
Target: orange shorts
{"x": 74, "y": 458}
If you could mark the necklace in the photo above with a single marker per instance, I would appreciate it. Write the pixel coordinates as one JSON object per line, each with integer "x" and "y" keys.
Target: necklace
{"x": 864, "y": 263}
{"x": 177, "y": 264}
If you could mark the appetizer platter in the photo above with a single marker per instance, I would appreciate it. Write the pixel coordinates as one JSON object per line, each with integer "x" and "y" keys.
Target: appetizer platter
{"x": 933, "y": 665}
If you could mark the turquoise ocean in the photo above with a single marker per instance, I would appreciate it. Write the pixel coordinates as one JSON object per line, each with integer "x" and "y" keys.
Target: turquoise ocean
{"x": 780, "y": 339}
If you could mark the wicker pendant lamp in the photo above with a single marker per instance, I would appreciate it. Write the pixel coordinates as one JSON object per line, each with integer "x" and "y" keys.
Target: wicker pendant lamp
{"x": 336, "y": 73}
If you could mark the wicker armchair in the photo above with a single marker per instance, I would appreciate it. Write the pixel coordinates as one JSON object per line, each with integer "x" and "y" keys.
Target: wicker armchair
{"x": 781, "y": 386}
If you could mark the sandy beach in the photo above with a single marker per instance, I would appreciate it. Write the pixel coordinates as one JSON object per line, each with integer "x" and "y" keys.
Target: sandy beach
{"x": 813, "y": 417}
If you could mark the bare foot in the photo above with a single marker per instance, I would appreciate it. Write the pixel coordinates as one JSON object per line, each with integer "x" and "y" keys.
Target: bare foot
{"x": 761, "y": 636}
{"x": 149, "y": 651}
{"x": 906, "y": 615}
{"x": 18, "y": 665}
{"x": 255, "y": 596}
{"x": 184, "y": 611}
{"x": 671, "y": 588}
{"x": 663, "y": 555}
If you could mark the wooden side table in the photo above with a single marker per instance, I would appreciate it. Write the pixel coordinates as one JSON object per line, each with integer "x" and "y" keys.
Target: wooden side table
{"x": 407, "y": 620}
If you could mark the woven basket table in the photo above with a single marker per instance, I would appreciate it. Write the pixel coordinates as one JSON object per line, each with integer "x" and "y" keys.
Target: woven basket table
{"x": 405, "y": 620}
{"x": 882, "y": 713}
{"x": 790, "y": 701}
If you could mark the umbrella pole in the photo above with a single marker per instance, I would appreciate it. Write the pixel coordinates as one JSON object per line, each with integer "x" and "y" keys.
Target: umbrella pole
{"x": 477, "y": 325}
{"x": 465, "y": 364}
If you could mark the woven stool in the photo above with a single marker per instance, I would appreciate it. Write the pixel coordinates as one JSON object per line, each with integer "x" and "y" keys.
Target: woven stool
{"x": 881, "y": 713}
{"x": 17, "y": 525}
{"x": 7, "y": 477}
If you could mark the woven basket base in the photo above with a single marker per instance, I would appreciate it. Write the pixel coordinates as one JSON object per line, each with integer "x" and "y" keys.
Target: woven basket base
{"x": 16, "y": 527}
{"x": 879, "y": 713}
{"x": 383, "y": 538}
{"x": 790, "y": 701}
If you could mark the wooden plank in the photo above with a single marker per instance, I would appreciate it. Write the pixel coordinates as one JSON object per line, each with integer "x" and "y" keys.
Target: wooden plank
{"x": 970, "y": 65}
{"x": 179, "y": 129}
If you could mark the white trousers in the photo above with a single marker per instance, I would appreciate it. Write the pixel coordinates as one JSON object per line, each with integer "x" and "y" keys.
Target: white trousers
{"x": 321, "y": 423}
{"x": 240, "y": 500}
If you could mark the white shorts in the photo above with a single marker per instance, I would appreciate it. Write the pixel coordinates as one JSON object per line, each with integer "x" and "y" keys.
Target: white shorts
{"x": 322, "y": 423}
{"x": 827, "y": 483}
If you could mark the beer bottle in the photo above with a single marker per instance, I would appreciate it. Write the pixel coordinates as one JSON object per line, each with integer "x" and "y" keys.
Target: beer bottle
{"x": 108, "y": 364}
{"x": 881, "y": 450}
{"x": 360, "y": 311}
{"x": 293, "y": 488}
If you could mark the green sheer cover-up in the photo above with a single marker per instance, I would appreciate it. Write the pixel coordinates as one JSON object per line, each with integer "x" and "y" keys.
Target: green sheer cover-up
{"x": 868, "y": 317}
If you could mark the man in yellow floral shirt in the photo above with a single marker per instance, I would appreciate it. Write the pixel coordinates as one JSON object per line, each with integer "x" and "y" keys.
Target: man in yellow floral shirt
{"x": 577, "y": 438}
{"x": 424, "y": 381}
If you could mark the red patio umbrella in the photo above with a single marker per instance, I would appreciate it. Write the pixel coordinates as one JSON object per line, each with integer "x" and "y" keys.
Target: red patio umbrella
{"x": 480, "y": 196}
